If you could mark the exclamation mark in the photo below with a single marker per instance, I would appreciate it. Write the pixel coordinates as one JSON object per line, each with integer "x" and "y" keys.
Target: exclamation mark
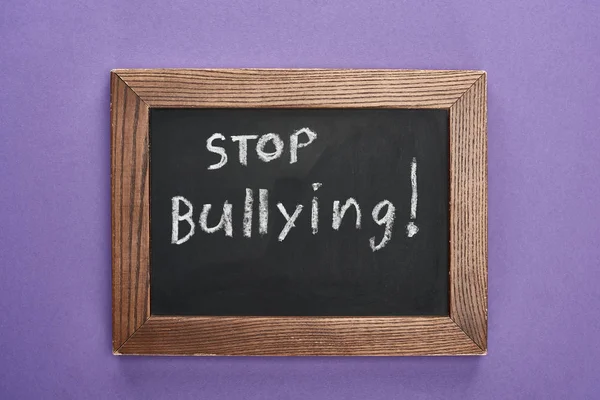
{"x": 411, "y": 228}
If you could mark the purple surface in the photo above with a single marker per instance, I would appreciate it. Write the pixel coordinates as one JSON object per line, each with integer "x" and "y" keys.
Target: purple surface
{"x": 542, "y": 59}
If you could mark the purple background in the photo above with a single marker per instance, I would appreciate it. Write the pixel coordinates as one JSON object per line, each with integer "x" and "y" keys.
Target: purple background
{"x": 542, "y": 59}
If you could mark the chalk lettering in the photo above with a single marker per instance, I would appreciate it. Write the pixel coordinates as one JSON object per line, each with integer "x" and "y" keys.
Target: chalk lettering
{"x": 387, "y": 219}
{"x": 260, "y": 147}
{"x": 225, "y": 222}
{"x": 216, "y": 149}
{"x": 295, "y": 145}
{"x": 247, "y": 222}
{"x": 176, "y": 218}
{"x": 263, "y": 211}
{"x": 314, "y": 219}
{"x": 411, "y": 228}
{"x": 338, "y": 214}
{"x": 243, "y": 146}
{"x": 290, "y": 220}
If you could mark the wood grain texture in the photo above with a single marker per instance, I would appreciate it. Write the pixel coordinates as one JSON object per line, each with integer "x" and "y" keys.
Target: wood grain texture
{"x": 302, "y": 336}
{"x": 136, "y": 332}
{"x": 468, "y": 212}
{"x": 310, "y": 88}
{"x": 130, "y": 211}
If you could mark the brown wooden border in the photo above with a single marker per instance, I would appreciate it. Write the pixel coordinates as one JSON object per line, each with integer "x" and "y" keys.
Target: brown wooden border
{"x": 135, "y": 331}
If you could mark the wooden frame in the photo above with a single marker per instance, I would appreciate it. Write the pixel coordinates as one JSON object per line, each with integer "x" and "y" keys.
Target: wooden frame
{"x": 136, "y": 331}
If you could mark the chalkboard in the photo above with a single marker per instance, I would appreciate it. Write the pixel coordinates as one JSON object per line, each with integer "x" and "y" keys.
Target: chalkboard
{"x": 299, "y": 212}
{"x": 254, "y": 212}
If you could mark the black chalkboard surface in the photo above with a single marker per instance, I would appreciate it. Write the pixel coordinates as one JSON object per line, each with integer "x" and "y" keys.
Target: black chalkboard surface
{"x": 394, "y": 263}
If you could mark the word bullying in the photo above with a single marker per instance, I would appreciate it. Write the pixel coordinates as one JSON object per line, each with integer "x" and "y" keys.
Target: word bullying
{"x": 383, "y": 213}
